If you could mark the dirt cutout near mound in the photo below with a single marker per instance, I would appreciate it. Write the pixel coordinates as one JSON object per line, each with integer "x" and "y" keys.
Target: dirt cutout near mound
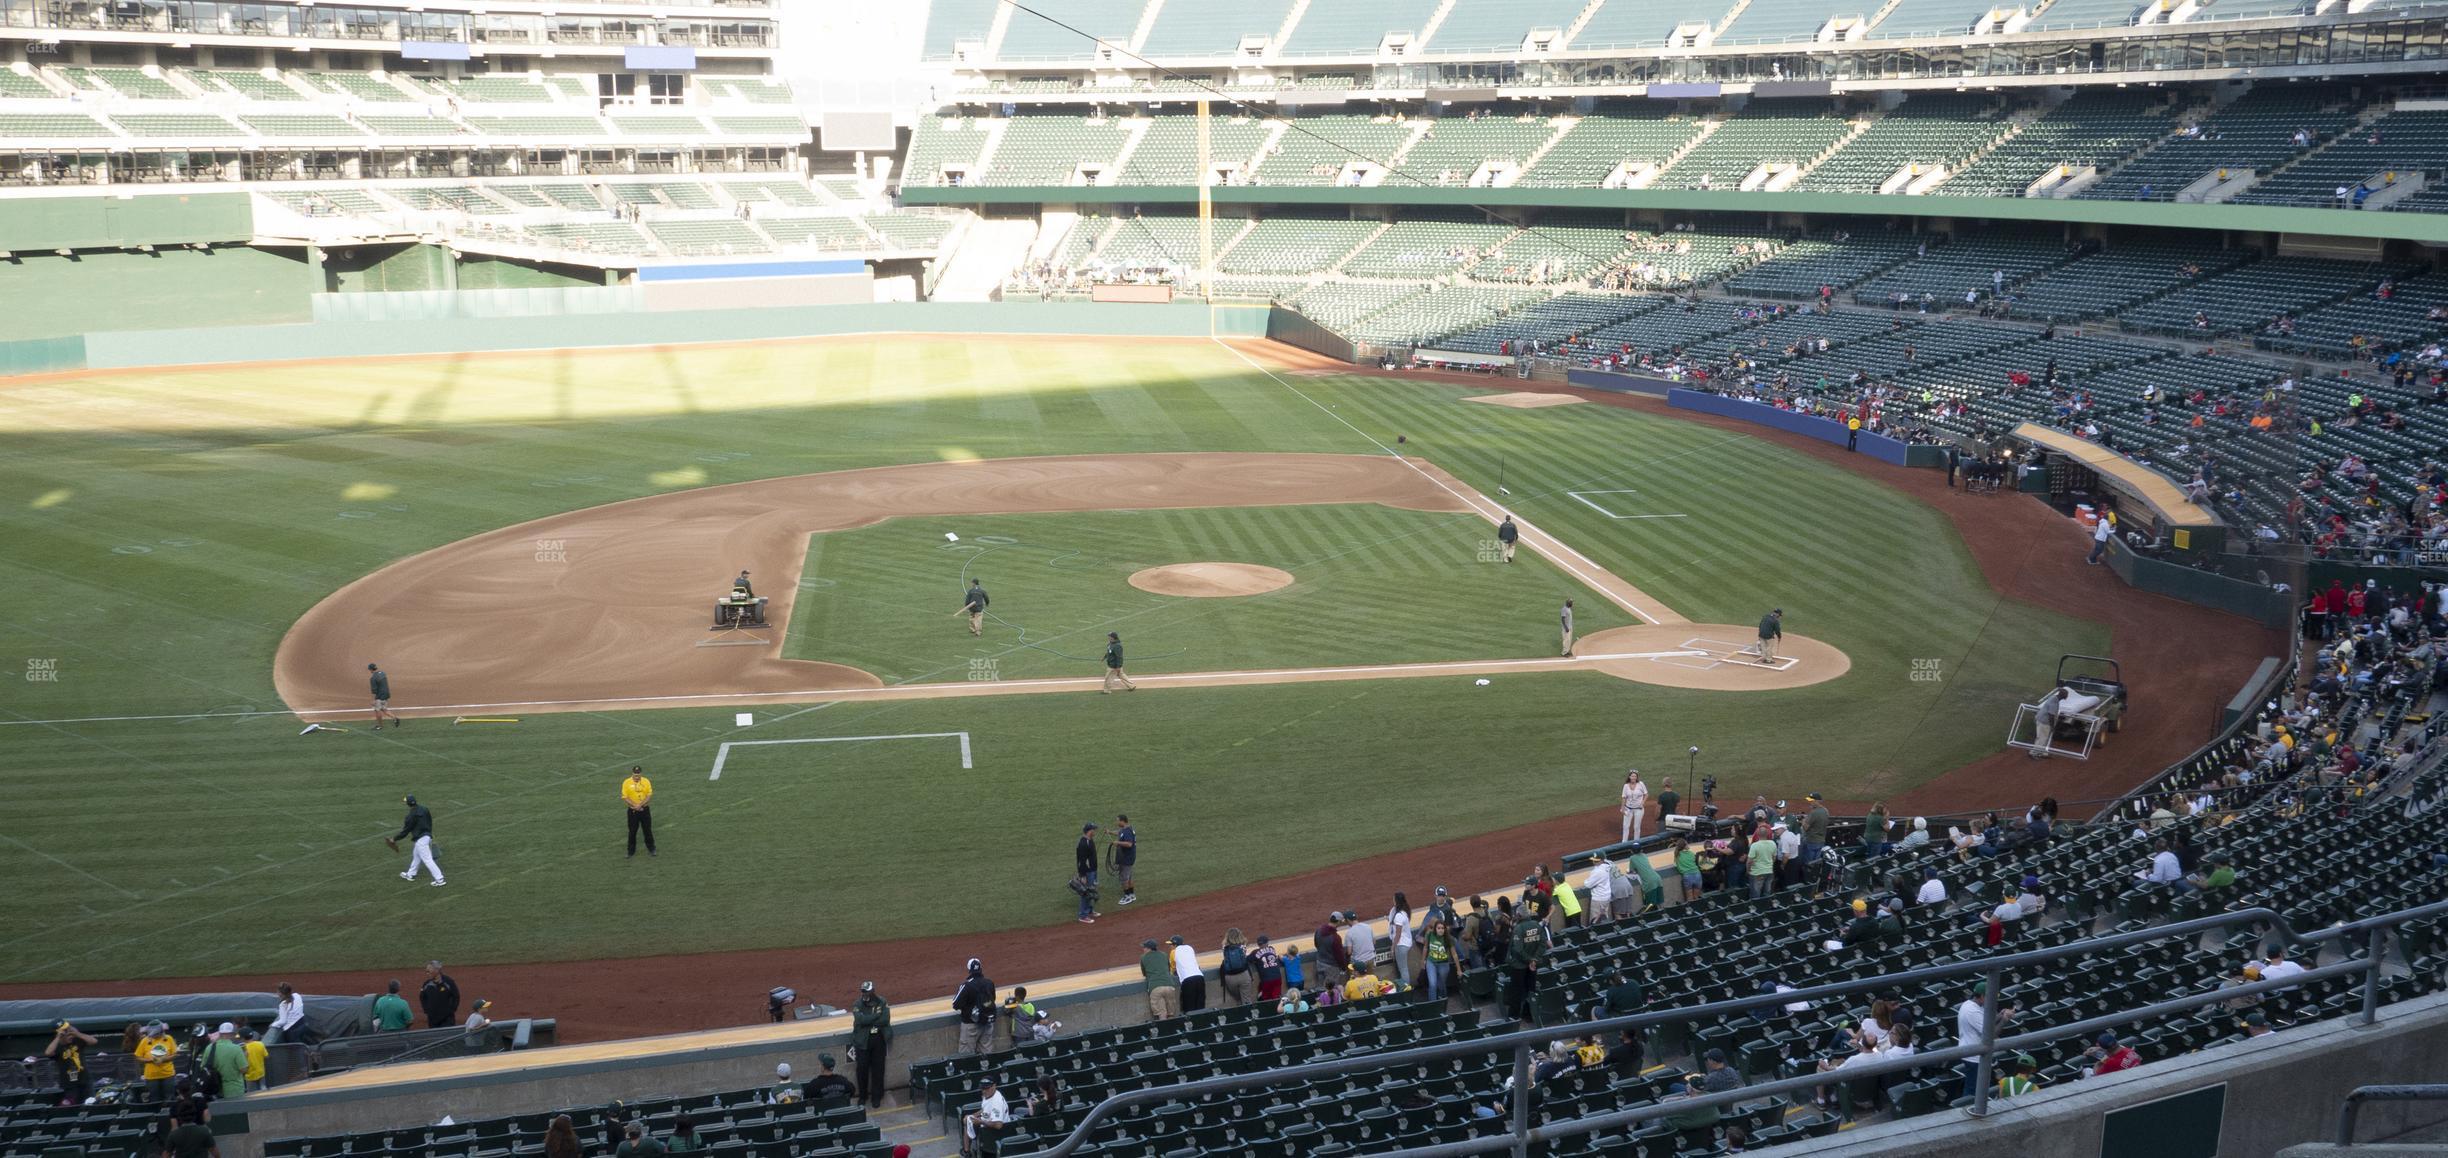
{"x": 1211, "y": 580}
{"x": 1709, "y": 656}
{"x": 1525, "y": 401}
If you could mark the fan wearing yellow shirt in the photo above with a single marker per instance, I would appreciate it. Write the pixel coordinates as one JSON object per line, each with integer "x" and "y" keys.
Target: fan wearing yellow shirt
{"x": 638, "y": 793}
{"x": 158, "y": 1052}
{"x": 1362, "y": 986}
{"x": 256, "y": 1053}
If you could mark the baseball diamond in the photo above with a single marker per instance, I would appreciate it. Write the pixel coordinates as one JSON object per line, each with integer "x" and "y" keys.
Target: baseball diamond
{"x": 925, "y": 568}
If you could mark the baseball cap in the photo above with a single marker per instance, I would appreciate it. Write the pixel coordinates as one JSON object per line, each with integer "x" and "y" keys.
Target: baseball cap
{"x": 2107, "y": 1039}
{"x": 1150, "y": 943}
{"x": 825, "y": 1060}
{"x": 866, "y": 986}
{"x": 988, "y": 1079}
{"x": 1813, "y": 797}
{"x": 227, "y": 1027}
{"x": 2256, "y": 1017}
{"x": 1088, "y": 827}
{"x": 408, "y": 799}
{"x": 1715, "y": 1055}
{"x": 1178, "y": 941}
{"x": 782, "y": 1070}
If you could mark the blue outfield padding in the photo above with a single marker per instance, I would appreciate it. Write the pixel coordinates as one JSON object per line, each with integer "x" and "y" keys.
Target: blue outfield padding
{"x": 1618, "y": 383}
{"x": 705, "y": 271}
{"x": 1877, "y": 446}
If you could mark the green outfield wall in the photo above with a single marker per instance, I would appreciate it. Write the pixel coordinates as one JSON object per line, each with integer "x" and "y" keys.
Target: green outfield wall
{"x": 421, "y": 335}
{"x": 50, "y": 296}
{"x": 2424, "y": 227}
{"x": 109, "y": 222}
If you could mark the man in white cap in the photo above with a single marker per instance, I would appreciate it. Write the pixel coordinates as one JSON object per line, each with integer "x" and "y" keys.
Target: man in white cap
{"x": 985, "y": 1124}
{"x": 225, "y": 1056}
{"x": 784, "y": 1092}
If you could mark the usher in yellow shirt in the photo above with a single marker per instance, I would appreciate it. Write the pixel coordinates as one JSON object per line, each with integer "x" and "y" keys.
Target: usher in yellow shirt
{"x": 637, "y": 790}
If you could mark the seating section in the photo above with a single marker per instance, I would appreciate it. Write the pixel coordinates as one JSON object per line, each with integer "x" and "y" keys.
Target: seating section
{"x": 738, "y": 1122}
{"x": 363, "y": 86}
{"x": 1800, "y": 269}
{"x": 1293, "y": 244}
{"x": 2108, "y": 282}
{"x": 1318, "y": 149}
{"x": 1788, "y": 21}
{"x": 2255, "y": 294}
{"x": 1455, "y": 148}
{"x": 1212, "y": 29}
{"x": 1052, "y": 37}
{"x": 1768, "y": 132}
{"x": 709, "y": 236}
{"x": 1484, "y": 26}
{"x": 51, "y": 125}
{"x": 244, "y": 82}
{"x": 1926, "y": 131}
{"x": 2402, "y": 319}
{"x": 1052, "y": 149}
{"x": 18, "y": 84}
{"x": 939, "y": 142}
{"x": 1946, "y": 273}
{"x": 664, "y": 125}
{"x": 1355, "y": 29}
{"x": 175, "y": 125}
{"x": 2400, "y": 142}
{"x": 31, "y": 1125}
{"x": 1597, "y": 145}
{"x": 127, "y": 82}
{"x": 300, "y": 125}
{"x": 2092, "y": 127}
{"x": 2255, "y": 133}
{"x": 411, "y": 125}
{"x": 1424, "y": 249}
{"x": 1423, "y": 317}
{"x": 537, "y": 127}
{"x": 1167, "y": 153}
{"x": 762, "y": 126}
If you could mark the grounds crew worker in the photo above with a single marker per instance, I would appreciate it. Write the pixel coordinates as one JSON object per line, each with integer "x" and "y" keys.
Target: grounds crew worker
{"x": 1567, "y": 618}
{"x": 870, "y": 1036}
{"x": 378, "y": 682}
{"x": 417, "y": 829}
{"x": 1506, "y": 535}
{"x": 638, "y": 792}
{"x": 1771, "y": 631}
{"x": 1113, "y": 664}
{"x": 975, "y": 604}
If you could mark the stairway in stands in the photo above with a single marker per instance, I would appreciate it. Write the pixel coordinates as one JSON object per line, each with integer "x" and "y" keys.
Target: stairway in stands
{"x": 992, "y": 249}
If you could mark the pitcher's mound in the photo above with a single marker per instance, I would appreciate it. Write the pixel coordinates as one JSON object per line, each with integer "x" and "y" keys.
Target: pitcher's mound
{"x": 1527, "y": 400}
{"x": 1210, "y": 580}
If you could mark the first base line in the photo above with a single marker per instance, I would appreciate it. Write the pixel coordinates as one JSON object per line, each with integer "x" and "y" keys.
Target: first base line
{"x": 722, "y": 755}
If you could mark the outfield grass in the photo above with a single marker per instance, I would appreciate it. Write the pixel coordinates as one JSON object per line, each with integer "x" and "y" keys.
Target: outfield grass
{"x": 1371, "y": 585}
{"x": 165, "y": 528}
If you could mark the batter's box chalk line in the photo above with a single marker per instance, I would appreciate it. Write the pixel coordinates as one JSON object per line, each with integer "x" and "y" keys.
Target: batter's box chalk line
{"x": 722, "y": 755}
{"x": 1583, "y": 497}
{"x": 1745, "y": 654}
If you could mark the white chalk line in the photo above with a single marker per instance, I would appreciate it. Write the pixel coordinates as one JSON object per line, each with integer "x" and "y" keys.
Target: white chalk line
{"x": 722, "y": 755}
{"x": 1582, "y": 498}
{"x": 1478, "y": 503}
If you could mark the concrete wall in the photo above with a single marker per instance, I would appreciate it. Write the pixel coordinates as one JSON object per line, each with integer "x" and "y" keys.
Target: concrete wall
{"x": 575, "y": 1077}
{"x": 2281, "y": 1090}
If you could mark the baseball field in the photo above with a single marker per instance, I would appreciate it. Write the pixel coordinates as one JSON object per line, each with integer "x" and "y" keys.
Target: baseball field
{"x": 195, "y": 557}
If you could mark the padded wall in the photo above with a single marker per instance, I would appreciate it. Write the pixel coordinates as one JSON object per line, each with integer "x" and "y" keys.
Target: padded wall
{"x": 51, "y": 296}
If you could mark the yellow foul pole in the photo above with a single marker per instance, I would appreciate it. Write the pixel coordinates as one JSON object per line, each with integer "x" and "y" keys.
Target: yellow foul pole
{"x": 1206, "y": 177}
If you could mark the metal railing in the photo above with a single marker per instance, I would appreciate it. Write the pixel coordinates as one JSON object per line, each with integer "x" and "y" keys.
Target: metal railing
{"x": 2349, "y": 1109}
{"x": 1992, "y": 971}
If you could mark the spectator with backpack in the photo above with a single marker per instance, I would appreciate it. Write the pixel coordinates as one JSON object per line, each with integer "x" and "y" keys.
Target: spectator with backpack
{"x": 221, "y": 1064}
{"x": 1236, "y": 978}
{"x": 1333, "y": 958}
{"x": 974, "y": 1001}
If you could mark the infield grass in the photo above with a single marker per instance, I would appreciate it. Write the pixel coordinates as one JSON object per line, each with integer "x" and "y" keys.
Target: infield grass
{"x": 1371, "y": 585}
{"x": 164, "y": 528}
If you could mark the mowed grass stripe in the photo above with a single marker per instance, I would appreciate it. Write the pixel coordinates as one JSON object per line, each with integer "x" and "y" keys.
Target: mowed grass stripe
{"x": 526, "y": 834}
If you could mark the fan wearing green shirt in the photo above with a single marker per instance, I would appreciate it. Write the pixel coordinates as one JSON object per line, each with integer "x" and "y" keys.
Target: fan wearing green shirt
{"x": 1762, "y": 860}
{"x": 391, "y": 1013}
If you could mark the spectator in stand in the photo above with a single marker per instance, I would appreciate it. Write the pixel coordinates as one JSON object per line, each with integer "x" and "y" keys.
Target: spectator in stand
{"x": 1687, "y": 866}
{"x": 1359, "y": 943}
{"x": 1398, "y": 931}
{"x": 1438, "y": 953}
{"x": 289, "y": 1018}
{"x": 561, "y": 1139}
{"x": 1601, "y": 884}
{"x": 1189, "y": 977}
{"x": 2276, "y": 967}
{"x": 2163, "y": 868}
{"x": 974, "y": 1003}
{"x": 2109, "y": 1056}
{"x": 1528, "y": 955}
{"x": 157, "y": 1052}
{"x": 1333, "y": 958}
{"x": 1163, "y": 989}
{"x": 1236, "y": 973}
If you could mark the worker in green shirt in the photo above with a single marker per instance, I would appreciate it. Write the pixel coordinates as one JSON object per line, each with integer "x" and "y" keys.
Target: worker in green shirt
{"x": 870, "y": 1038}
{"x": 1531, "y": 944}
{"x": 1652, "y": 890}
{"x": 226, "y": 1055}
{"x": 1163, "y": 988}
{"x": 391, "y": 1012}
